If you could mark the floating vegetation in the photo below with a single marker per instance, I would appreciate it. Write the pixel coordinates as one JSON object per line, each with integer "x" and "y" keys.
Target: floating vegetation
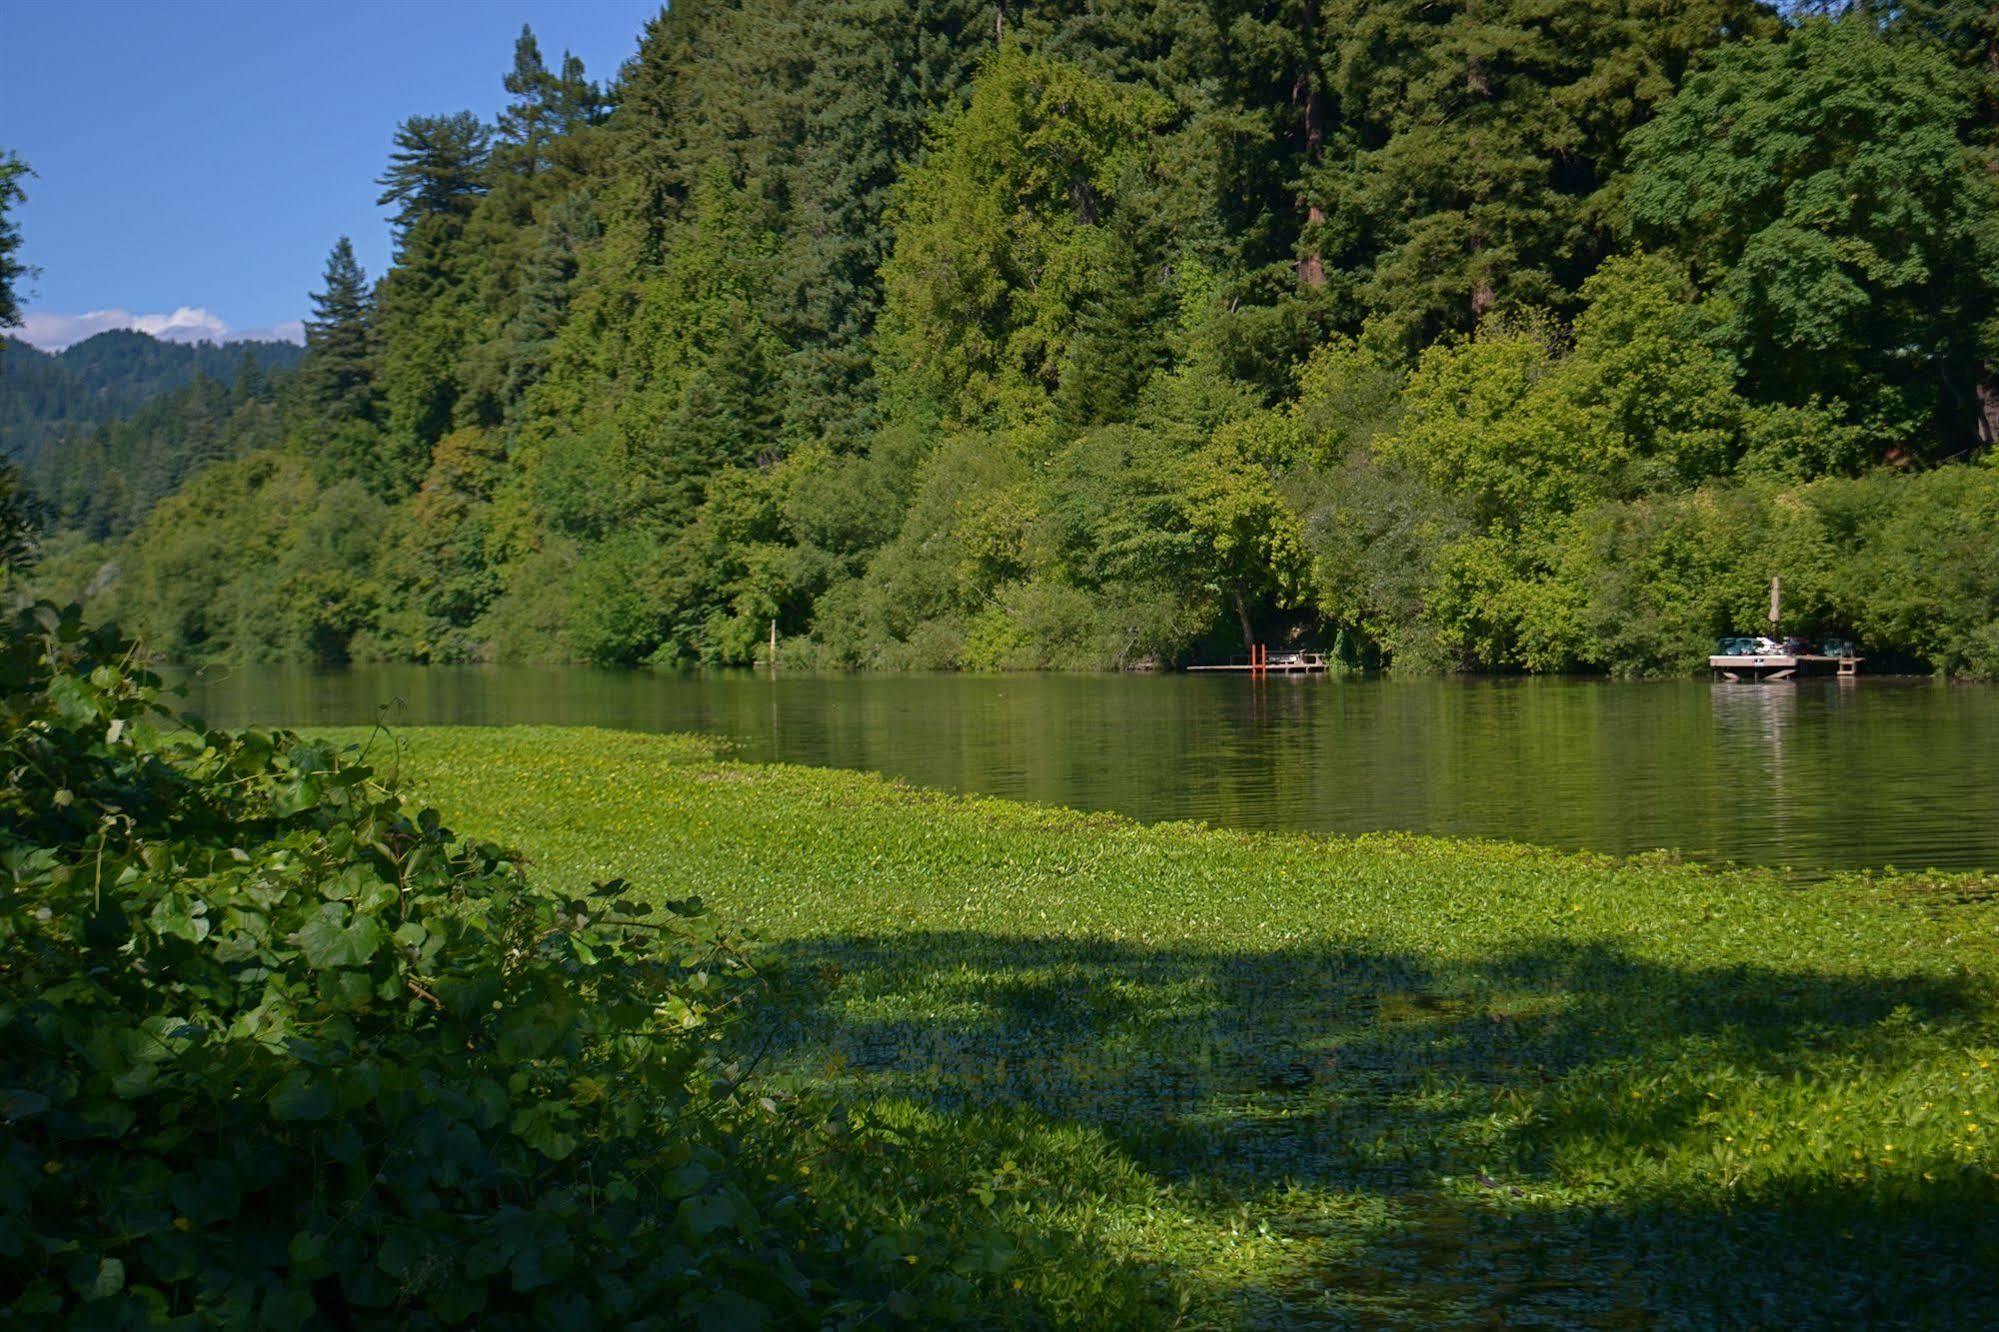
{"x": 1387, "y": 1080}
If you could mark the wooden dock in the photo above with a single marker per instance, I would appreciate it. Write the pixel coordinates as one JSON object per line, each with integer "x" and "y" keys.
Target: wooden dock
{"x": 1781, "y": 666}
{"x": 1265, "y": 662}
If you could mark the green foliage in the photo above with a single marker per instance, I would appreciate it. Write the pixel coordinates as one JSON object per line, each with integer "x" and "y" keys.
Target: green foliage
{"x": 102, "y": 482}
{"x": 545, "y": 105}
{"x": 47, "y": 399}
{"x": 254, "y": 560}
{"x": 1012, "y": 232}
{"x": 282, "y": 1048}
{"x": 1820, "y": 189}
{"x": 12, "y": 269}
{"x": 337, "y": 376}
{"x": 437, "y": 169}
{"x": 1290, "y": 1079}
{"x": 19, "y": 534}
{"x": 1097, "y": 335}
{"x": 1474, "y": 147}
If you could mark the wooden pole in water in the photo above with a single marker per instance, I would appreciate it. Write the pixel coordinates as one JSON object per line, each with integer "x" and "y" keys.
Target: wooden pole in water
{"x": 773, "y": 648}
{"x": 1776, "y": 603}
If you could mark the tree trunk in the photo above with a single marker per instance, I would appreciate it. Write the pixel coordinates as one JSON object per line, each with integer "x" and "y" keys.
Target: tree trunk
{"x": 1084, "y": 196}
{"x": 1991, "y": 98}
{"x": 1988, "y": 408}
{"x": 1242, "y": 616}
{"x": 1311, "y": 104}
{"x": 1311, "y": 265}
{"x": 1482, "y": 294}
{"x": 1478, "y": 82}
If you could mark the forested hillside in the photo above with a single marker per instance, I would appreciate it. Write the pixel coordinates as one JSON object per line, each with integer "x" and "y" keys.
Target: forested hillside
{"x": 46, "y": 395}
{"x": 953, "y": 334}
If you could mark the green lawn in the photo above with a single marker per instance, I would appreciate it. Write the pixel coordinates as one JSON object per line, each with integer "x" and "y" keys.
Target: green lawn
{"x": 1387, "y": 1081}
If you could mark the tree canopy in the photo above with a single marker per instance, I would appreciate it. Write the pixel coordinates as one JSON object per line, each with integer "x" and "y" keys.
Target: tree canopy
{"x": 948, "y": 334}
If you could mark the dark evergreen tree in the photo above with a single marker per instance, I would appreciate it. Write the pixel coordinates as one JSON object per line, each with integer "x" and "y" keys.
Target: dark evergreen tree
{"x": 879, "y": 72}
{"x": 20, "y": 533}
{"x": 12, "y": 172}
{"x": 337, "y": 376}
{"x": 535, "y": 113}
{"x": 547, "y": 284}
{"x": 251, "y": 381}
{"x": 438, "y": 168}
{"x": 1473, "y": 148}
{"x": 578, "y": 101}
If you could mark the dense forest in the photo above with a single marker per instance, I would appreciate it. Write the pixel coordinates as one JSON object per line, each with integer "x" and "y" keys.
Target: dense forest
{"x": 950, "y": 334}
{"x": 111, "y": 375}
{"x": 110, "y": 426}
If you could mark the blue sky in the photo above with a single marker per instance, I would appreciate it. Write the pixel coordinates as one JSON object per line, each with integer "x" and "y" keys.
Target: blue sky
{"x": 201, "y": 156}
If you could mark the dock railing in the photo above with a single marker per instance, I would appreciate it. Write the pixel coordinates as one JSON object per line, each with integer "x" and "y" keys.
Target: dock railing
{"x": 1262, "y": 661}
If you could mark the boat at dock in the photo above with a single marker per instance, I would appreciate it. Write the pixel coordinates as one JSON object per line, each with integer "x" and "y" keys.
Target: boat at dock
{"x": 1776, "y": 666}
{"x": 1771, "y": 659}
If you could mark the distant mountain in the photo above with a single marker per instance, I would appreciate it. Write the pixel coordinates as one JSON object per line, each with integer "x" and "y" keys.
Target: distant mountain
{"x": 43, "y": 394}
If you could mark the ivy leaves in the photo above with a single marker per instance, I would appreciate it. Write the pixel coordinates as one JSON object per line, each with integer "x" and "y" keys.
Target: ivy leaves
{"x": 277, "y": 1046}
{"x": 333, "y": 938}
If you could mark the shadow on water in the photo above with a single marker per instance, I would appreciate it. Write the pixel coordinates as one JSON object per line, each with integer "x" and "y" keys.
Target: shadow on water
{"x": 1529, "y": 1139}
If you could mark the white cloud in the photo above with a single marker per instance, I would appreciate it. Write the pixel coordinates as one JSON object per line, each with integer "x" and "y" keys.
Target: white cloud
{"x": 187, "y": 324}
{"x": 190, "y": 323}
{"x": 291, "y": 330}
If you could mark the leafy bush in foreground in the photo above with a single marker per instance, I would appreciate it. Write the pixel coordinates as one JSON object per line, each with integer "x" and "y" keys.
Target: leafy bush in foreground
{"x": 276, "y": 1046}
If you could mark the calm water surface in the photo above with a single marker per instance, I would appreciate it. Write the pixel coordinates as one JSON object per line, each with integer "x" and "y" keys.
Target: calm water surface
{"x": 1816, "y": 776}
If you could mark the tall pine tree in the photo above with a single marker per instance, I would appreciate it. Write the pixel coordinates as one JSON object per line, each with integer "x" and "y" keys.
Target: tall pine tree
{"x": 337, "y": 375}
{"x": 547, "y": 282}
{"x": 528, "y": 121}
{"x": 12, "y": 171}
{"x": 438, "y": 167}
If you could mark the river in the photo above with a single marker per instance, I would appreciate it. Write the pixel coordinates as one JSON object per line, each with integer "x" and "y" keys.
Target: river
{"x": 1815, "y": 776}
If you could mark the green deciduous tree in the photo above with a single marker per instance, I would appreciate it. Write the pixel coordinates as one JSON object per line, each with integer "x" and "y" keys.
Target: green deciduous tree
{"x": 1819, "y": 186}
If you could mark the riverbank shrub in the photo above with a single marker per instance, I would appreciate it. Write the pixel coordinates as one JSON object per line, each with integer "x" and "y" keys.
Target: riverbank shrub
{"x": 277, "y": 1047}
{"x": 1904, "y": 565}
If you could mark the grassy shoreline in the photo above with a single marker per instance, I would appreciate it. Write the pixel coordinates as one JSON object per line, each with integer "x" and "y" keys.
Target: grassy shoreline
{"x": 1395, "y": 1080}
